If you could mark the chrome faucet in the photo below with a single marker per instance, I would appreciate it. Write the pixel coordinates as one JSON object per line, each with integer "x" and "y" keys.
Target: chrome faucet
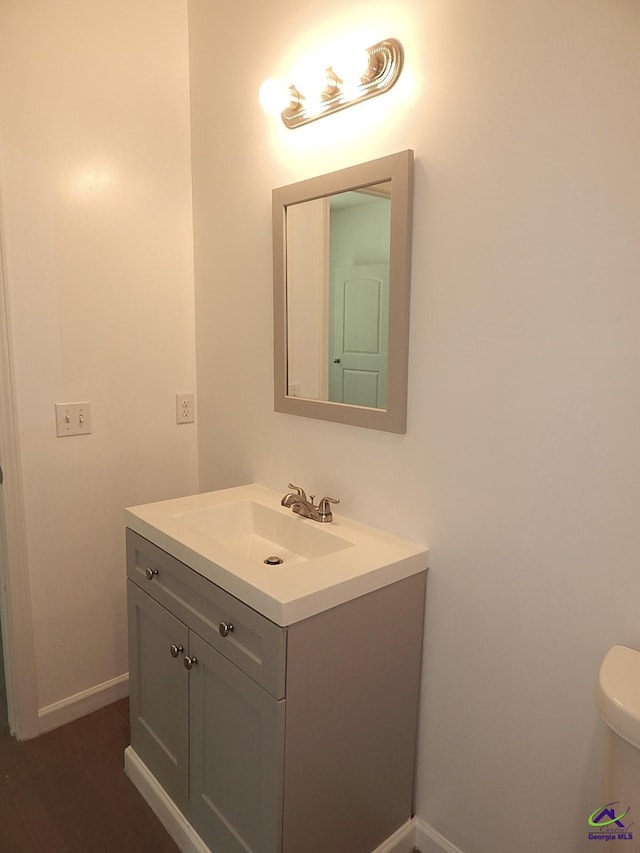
{"x": 304, "y": 506}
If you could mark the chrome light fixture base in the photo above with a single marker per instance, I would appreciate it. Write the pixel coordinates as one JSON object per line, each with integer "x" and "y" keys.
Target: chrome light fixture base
{"x": 385, "y": 64}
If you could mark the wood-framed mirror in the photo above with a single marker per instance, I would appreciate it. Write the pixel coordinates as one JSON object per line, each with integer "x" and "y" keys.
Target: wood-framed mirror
{"x": 342, "y": 272}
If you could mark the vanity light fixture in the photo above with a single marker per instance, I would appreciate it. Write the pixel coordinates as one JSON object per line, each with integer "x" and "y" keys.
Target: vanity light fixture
{"x": 381, "y": 67}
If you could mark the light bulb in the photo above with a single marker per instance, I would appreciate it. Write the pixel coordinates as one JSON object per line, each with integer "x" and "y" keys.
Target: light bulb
{"x": 311, "y": 81}
{"x": 351, "y": 66}
{"x": 274, "y": 96}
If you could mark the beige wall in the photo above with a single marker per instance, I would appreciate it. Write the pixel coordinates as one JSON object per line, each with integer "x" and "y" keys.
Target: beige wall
{"x": 520, "y": 464}
{"x": 96, "y": 208}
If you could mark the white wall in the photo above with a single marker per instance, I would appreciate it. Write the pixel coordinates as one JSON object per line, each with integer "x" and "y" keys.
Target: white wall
{"x": 520, "y": 464}
{"x": 307, "y": 310}
{"x": 96, "y": 206}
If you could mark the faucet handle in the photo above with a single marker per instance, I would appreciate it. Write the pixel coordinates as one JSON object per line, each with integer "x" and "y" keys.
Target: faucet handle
{"x": 298, "y": 491}
{"x": 324, "y": 508}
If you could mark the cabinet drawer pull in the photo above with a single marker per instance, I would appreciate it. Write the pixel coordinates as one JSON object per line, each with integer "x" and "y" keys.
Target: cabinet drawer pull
{"x": 151, "y": 574}
{"x": 190, "y": 662}
{"x": 225, "y": 628}
{"x": 176, "y": 650}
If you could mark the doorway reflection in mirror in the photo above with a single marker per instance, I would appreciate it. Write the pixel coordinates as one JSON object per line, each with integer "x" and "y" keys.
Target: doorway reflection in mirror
{"x": 338, "y": 252}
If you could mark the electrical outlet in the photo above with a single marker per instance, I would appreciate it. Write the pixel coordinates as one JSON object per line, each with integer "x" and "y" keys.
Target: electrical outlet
{"x": 185, "y": 408}
{"x": 73, "y": 419}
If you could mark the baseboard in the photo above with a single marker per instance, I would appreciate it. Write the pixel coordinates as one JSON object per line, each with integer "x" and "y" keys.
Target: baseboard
{"x": 162, "y": 806}
{"x": 429, "y": 840}
{"x": 402, "y": 841}
{"x": 185, "y": 836}
{"x": 81, "y": 704}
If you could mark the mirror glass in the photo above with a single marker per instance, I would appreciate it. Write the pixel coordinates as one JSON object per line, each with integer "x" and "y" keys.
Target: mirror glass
{"x": 341, "y": 287}
{"x": 338, "y": 251}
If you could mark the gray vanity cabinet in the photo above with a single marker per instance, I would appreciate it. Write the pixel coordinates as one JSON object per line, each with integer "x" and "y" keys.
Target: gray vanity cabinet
{"x": 210, "y": 734}
{"x": 274, "y": 739}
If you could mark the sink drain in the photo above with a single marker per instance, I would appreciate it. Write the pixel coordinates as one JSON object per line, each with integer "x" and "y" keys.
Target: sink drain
{"x": 274, "y": 561}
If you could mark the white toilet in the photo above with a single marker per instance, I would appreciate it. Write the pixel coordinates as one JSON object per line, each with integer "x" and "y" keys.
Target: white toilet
{"x": 618, "y": 701}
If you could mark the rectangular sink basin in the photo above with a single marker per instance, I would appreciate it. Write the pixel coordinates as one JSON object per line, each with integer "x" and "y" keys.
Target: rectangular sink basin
{"x": 226, "y": 536}
{"x": 258, "y": 532}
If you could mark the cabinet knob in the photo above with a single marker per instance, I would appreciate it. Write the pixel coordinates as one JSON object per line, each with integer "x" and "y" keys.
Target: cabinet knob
{"x": 176, "y": 650}
{"x": 151, "y": 573}
{"x": 225, "y": 628}
{"x": 190, "y": 662}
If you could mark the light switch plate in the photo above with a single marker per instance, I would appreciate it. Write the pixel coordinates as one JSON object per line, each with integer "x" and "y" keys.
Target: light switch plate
{"x": 73, "y": 419}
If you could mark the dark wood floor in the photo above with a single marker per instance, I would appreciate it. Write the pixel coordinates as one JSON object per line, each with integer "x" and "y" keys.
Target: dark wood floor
{"x": 66, "y": 792}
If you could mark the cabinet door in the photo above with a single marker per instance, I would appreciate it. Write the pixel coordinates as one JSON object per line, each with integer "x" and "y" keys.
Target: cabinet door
{"x": 158, "y": 686}
{"x": 237, "y": 744}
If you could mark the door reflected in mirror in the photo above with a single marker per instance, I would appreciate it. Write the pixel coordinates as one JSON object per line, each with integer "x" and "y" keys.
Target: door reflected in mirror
{"x": 342, "y": 248}
{"x": 338, "y": 252}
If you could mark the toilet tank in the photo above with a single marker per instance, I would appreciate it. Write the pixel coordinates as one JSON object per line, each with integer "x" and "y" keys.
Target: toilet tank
{"x": 618, "y": 701}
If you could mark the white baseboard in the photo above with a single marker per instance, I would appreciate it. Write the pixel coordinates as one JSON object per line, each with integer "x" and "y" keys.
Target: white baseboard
{"x": 162, "y": 805}
{"x": 429, "y": 840}
{"x": 185, "y": 836}
{"x": 74, "y": 707}
{"x": 402, "y": 841}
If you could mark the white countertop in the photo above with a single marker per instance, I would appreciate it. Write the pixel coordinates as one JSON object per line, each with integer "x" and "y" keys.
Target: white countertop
{"x": 288, "y": 593}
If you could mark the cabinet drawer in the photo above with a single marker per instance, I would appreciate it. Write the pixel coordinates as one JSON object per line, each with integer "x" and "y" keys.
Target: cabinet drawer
{"x": 254, "y": 643}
